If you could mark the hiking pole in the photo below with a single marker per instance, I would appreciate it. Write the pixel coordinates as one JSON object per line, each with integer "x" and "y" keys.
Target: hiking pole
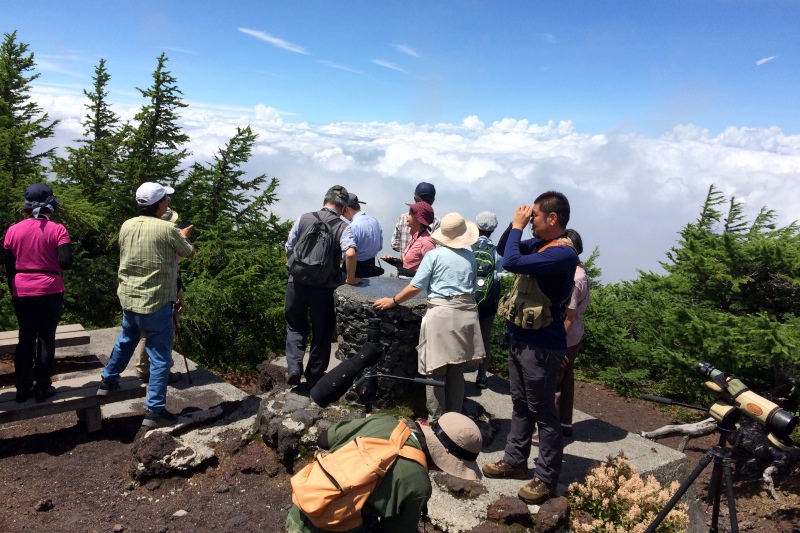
{"x": 183, "y": 348}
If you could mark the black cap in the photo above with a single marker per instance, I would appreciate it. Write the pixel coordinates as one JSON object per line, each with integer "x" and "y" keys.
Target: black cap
{"x": 426, "y": 191}
{"x": 353, "y": 201}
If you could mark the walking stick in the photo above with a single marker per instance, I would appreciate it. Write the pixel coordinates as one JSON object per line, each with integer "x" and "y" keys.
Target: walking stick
{"x": 183, "y": 348}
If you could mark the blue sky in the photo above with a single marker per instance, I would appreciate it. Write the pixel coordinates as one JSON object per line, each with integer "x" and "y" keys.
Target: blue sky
{"x": 627, "y": 107}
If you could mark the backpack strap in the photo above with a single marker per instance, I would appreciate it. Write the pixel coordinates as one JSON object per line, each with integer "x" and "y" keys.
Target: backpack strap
{"x": 399, "y": 437}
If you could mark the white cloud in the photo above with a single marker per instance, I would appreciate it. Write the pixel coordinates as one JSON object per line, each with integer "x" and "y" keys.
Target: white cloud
{"x": 407, "y": 50}
{"x": 331, "y": 64}
{"x": 549, "y": 38}
{"x": 630, "y": 194}
{"x": 765, "y": 59}
{"x": 389, "y": 65}
{"x": 275, "y": 41}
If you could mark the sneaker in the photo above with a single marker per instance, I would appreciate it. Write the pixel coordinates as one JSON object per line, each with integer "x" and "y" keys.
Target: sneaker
{"x": 42, "y": 395}
{"x": 537, "y": 492}
{"x": 107, "y": 387}
{"x": 502, "y": 469}
{"x": 482, "y": 382}
{"x": 293, "y": 379}
{"x": 159, "y": 420}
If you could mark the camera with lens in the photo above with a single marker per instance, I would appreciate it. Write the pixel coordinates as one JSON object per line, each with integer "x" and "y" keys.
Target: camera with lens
{"x": 732, "y": 393}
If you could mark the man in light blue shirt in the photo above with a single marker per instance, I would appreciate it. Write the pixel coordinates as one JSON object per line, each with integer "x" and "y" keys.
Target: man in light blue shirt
{"x": 368, "y": 236}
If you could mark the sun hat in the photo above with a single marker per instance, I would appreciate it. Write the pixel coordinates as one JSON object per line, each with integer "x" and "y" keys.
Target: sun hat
{"x": 39, "y": 195}
{"x": 454, "y": 442}
{"x": 455, "y": 232}
{"x": 486, "y": 220}
{"x": 353, "y": 201}
{"x": 150, "y": 193}
{"x": 423, "y": 213}
{"x": 426, "y": 191}
{"x": 170, "y": 216}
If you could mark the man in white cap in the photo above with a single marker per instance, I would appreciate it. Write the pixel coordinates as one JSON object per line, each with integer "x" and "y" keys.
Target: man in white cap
{"x": 451, "y": 444}
{"x": 147, "y": 291}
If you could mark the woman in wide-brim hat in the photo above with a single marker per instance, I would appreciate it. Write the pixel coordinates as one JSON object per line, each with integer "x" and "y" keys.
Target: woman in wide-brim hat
{"x": 37, "y": 250}
{"x": 450, "y": 334}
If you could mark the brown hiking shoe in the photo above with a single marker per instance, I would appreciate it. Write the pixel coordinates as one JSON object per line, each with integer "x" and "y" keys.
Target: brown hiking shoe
{"x": 537, "y": 492}
{"x": 502, "y": 469}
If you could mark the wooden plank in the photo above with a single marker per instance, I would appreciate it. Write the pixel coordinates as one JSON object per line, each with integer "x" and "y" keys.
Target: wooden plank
{"x": 66, "y": 328}
{"x": 71, "y": 395}
{"x": 70, "y": 335}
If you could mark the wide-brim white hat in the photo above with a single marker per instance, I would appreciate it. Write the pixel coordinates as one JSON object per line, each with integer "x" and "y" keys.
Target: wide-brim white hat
{"x": 455, "y": 231}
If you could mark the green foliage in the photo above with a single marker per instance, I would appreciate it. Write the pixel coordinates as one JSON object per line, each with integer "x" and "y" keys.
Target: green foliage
{"x": 730, "y": 297}
{"x": 235, "y": 286}
{"x": 237, "y": 282}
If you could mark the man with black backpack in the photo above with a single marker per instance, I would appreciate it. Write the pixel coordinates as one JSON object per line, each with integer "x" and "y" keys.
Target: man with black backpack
{"x": 314, "y": 251}
{"x": 487, "y": 285}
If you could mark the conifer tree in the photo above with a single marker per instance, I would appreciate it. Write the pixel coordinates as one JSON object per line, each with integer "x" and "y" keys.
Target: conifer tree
{"x": 94, "y": 164}
{"x": 153, "y": 144}
{"x": 22, "y": 124}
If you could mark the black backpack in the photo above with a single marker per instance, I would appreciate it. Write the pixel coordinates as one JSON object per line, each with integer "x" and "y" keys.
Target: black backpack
{"x": 487, "y": 288}
{"x": 312, "y": 261}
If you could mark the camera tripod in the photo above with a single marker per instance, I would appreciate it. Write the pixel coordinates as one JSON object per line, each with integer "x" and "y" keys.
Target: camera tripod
{"x": 720, "y": 454}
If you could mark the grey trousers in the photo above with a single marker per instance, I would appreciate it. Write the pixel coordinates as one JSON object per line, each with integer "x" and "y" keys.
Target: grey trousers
{"x": 304, "y": 302}
{"x": 533, "y": 373}
{"x": 450, "y": 398}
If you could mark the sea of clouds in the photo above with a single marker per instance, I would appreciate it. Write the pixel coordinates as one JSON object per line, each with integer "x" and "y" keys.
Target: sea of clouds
{"x": 630, "y": 194}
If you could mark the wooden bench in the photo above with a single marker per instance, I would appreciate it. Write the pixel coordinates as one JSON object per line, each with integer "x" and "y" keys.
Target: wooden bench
{"x": 76, "y": 394}
{"x": 68, "y": 335}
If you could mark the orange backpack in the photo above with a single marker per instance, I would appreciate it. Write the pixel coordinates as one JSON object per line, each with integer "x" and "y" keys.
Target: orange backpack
{"x": 333, "y": 488}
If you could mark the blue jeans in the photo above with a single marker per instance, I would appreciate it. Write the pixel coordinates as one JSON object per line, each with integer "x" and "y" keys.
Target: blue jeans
{"x": 160, "y": 331}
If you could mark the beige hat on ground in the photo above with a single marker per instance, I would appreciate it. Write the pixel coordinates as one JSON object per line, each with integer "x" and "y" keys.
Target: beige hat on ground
{"x": 456, "y": 232}
{"x": 170, "y": 216}
{"x": 454, "y": 442}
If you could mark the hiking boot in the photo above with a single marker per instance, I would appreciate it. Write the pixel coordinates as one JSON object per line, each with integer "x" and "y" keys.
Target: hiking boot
{"x": 293, "y": 379}
{"x": 537, "y": 492}
{"x": 502, "y": 469}
{"x": 482, "y": 382}
{"x": 107, "y": 387}
{"x": 159, "y": 420}
{"x": 42, "y": 395}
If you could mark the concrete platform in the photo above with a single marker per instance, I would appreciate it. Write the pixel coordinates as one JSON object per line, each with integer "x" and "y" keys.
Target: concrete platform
{"x": 594, "y": 440}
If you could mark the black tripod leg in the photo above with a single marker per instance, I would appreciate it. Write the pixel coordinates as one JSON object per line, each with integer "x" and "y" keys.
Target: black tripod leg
{"x": 715, "y": 494}
{"x": 731, "y": 499}
{"x": 704, "y": 461}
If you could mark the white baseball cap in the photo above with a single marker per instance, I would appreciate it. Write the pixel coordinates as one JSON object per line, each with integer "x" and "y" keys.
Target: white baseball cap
{"x": 149, "y": 193}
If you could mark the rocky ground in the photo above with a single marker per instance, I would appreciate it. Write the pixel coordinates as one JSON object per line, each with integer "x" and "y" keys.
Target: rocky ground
{"x": 56, "y": 477}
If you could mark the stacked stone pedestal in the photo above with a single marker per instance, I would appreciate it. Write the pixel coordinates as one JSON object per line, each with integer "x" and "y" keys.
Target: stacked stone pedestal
{"x": 399, "y": 332}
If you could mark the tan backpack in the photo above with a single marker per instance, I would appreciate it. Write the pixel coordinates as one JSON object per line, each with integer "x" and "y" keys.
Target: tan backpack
{"x": 525, "y": 305}
{"x": 333, "y": 488}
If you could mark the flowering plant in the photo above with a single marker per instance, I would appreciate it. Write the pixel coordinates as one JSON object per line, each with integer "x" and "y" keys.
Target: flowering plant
{"x": 617, "y": 500}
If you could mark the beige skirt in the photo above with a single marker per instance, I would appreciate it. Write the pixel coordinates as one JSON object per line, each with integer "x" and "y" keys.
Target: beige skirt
{"x": 450, "y": 333}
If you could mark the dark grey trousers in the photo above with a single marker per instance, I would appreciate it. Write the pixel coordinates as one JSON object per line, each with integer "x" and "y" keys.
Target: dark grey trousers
{"x": 304, "y": 302}
{"x": 532, "y": 373}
